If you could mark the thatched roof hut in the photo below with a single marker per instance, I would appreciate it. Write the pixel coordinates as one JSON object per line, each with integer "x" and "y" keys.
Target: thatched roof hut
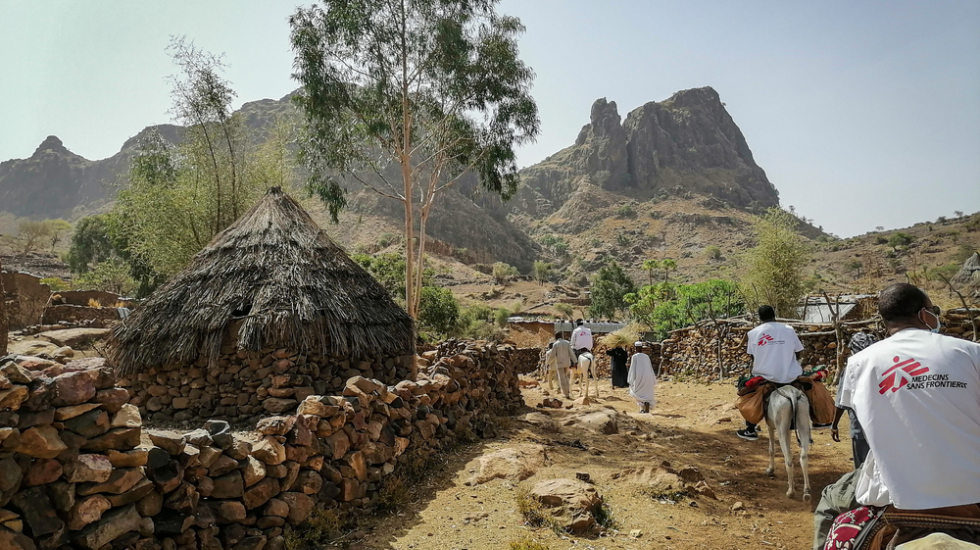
{"x": 282, "y": 282}
{"x": 970, "y": 272}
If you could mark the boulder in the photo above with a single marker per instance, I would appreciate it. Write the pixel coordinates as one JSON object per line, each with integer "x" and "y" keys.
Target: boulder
{"x": 10, "y": 540}
{"x": 120, "y": 481}
{"x": 254, "y": 471}
{"x": 604, "y": 421}
{"x": 74, "y": 337}
{"x": 275, "y": 425}
{"x": 228, "y": 486}
{"x": 127, "y": 459}
{"x": 128, "y": 416}
{"x": 172, "y": 443}
{"x": 515, "y": 464}
{"x": 14, "y": 397}
{"x": 116, "y": 438}
{"x": 71, "y": 411}
{"x": 90, "y": 424}
{"x": 573, "y": 503}
{"x": 261, "y": 493}
{"x": 37, "y": 511}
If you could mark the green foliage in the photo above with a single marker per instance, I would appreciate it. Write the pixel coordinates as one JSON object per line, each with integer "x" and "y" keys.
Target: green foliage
{"x": 664, "y": 307}
{"x": 881, "y": 239}
{"x": 668, "y": 265}
{"x": 112, "y": 275}
{"x": 98, "y": 239}
{"x": 650, "y": 266}
{"x": 713, "y": 252}
{"x": 56, "y": 284}
{"x": 475, "y": 322}
{"x": 388, "y": 239}
{"x": 500, "y": 316}
{"x": 627, "y": 210}
{"x": 438, "y": 310}
{"x": 609, "y": 286}
{"x": 900, "y": 239}
{"x": 622, "y": 239}
{"x": 181, "y": 197}
{"x": 775, "y": 272}
{"x": 389, "y": 270}
{"x": 541, "y": 271}
{"x": 503, "y": 272}
{"x": 854, "y": 267}
{"x": 555, "y": 244}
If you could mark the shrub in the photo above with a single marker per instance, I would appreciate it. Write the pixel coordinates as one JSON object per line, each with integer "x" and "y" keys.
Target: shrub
{"x": 388, "y": 239}
{"x": 627, "y": 210}
{"x": 881, "y": 240}
{"x": 622, "y": 240}
{"x": 527, "y": 544}
{"x": 56, "y": 284}
{"x": 438, "y": 309}
{"x": 504, "y": 272}
{"x": 900, "y": 239}
{"x": 500, "y": 317}
{"x": 541, "y": 271}
{"x": 713, "y": 252}
{"x": 320, "y": 528}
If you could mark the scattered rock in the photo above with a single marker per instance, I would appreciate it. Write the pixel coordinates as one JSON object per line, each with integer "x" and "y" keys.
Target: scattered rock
{"x": 516, "y": 464}
{"x": 573, "y": 503}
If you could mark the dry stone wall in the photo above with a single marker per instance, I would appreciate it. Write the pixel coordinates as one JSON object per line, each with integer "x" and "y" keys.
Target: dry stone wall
{"x": 245, "y": 386}
{"x": 79, "y": 470}
{"x": 694, "y": 350}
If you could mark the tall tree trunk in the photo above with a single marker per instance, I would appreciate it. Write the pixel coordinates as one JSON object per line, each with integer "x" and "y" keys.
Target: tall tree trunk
{"x": 3, "y": 317}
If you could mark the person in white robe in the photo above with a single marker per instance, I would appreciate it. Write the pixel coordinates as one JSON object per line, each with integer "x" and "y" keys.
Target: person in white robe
{"x": 642, "y": 380}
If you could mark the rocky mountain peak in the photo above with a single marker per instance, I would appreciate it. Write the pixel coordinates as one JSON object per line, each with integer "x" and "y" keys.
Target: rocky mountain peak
{"x": 53, "y": 145}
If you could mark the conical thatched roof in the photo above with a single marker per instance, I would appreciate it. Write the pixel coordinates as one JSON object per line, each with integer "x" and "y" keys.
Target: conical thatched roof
{"x": 970, "y": 272}
{"x": 278, "y": 273}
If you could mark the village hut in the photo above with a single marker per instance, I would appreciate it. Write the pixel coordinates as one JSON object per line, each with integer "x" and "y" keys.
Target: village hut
{"x": 270, "y": 311}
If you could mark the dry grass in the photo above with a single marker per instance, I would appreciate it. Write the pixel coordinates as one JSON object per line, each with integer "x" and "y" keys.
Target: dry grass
{"x": 92, "y": 302}
{"x": 322, "y": 527}
{"x": 528, "y": 544}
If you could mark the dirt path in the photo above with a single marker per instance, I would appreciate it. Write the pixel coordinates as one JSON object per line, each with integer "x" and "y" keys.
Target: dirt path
{"x": 692, "y": 425}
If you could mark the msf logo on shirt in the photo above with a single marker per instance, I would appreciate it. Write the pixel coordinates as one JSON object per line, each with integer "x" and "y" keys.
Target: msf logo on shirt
{"x": 900, "y": 374}
{"x": 765, "y": 339}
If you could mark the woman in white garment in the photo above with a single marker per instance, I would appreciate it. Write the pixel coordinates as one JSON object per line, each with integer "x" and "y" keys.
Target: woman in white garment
{"x": 642, "y": 380}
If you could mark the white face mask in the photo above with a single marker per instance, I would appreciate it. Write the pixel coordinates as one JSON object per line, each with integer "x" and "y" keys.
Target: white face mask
{"x": 939, "y": 324}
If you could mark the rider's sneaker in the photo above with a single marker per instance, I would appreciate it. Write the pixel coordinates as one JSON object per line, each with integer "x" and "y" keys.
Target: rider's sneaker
{"x": 751, "y": 435}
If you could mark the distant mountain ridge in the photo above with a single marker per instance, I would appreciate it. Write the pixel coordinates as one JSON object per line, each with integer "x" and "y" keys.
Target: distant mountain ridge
{"x": 684, "y": 146}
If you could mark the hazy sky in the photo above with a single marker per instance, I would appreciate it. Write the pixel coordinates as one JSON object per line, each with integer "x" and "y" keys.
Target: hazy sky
{"x": 861, "y": 113}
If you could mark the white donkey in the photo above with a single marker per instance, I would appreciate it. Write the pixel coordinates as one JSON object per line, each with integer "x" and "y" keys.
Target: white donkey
{"x": 787, "y": 404}
{"x": 586, "y": 366}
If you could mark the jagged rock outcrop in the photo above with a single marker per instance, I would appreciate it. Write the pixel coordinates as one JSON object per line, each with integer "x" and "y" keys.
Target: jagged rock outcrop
{"x": 686, "y": 143}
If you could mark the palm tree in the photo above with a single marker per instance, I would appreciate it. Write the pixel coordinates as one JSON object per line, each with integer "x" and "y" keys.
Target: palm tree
{"x": 668, "y": 264}
{"x": 650, "y": 266}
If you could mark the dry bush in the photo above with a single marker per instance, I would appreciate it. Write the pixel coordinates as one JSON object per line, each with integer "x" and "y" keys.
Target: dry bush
{"x": 527, "y": 544}
{"x": 92, "y": 302}
{"x": 323, "y": 525}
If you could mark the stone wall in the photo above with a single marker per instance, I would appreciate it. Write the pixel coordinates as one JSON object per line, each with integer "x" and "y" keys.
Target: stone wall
{"x": 77, "y": 470}
{"x": 26, "y": 297}
{"x": 71, "y": 315}
{"x": 693, "y": 350}
{"x": 245, "y": 386}
{"x": 84, "y": 297}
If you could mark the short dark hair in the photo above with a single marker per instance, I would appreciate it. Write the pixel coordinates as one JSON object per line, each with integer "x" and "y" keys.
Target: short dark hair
{"x": 901, "y": 301}
{"x": 580, "y": 322}
{"x": 558, "y": 335}
{"x": 767, "y": 313}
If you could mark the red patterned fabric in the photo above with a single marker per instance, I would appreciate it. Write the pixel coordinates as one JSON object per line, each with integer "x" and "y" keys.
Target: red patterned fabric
{"x": 848, "y": 526}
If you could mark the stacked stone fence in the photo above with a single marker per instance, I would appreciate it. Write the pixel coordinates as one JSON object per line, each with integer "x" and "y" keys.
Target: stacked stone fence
{"x": 79, "y": 470}
{"x": 694, "y": 350}
{"x": 245, "y": 386}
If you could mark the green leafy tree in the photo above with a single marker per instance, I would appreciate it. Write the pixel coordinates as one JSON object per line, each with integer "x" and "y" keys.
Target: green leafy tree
{"x": 900, "y": 239}
{"x": 650, "y": 266}
{"x": 108, "y": 276}
{"x": 609, "y": 286}
{"x": 503, "y": 272}
{"x": 56, "y": 284}
{"x": 668, "y": 265}
{"x": 775, "y": 267}
{"x": 664, "y": 307}
{"x": 542, "y": 271}
{"x": 423, "y": 91}
{"x": 439, "y": 310}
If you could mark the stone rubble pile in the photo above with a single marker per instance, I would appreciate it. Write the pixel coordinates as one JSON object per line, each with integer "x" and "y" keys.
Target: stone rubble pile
{"x": 78, "y": 470}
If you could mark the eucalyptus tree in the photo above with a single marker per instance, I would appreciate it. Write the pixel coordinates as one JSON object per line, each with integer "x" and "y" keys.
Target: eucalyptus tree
{"x": 406, "y": 97}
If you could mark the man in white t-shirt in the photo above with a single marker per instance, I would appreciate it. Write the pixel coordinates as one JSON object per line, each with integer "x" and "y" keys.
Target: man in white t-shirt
{"x": 773, "y": 347}
{"x": 581, "y": 338}
{"x": 917, "y": 396}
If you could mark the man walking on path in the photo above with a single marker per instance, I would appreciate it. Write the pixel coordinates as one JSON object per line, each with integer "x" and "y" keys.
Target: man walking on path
{"x": 917, "y": 395}
{"x": 562, "y": 358}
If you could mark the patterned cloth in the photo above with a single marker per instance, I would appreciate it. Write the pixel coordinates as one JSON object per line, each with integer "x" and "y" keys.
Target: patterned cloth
{"x": 851, "y": 526}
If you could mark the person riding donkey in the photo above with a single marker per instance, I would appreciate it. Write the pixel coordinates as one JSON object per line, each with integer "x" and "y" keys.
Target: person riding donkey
{"x": 774, "y": 348}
